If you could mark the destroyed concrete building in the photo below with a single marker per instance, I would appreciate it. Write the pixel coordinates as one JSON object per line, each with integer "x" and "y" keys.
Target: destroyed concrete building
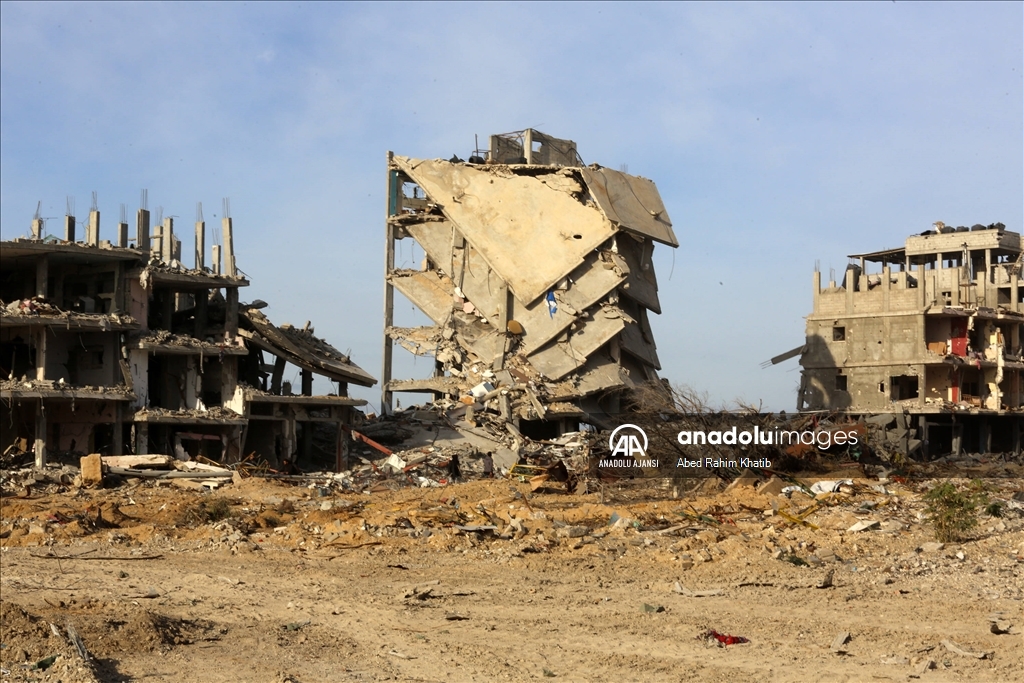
{"x": 538, "y": 280}
{"x": 115, "y": 347}
{"x": 930, "y": 332}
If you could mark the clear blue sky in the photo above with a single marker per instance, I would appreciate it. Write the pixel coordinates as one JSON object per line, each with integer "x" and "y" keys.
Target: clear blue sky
{"x": 778, "y": 134}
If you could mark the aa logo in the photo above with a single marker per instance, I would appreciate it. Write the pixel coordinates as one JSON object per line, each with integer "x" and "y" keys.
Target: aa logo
{"x": 628, "y": 441}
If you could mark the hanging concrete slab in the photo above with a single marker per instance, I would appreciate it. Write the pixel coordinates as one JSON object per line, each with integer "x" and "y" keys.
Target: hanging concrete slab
{"x": 588, "y": 284}
{"x": 495, "y": 209}
{"x": 631, "y": 202}
{"x": 641, "y": 285}
{"x": 430, "y": 292}
{"x": 632, "y": 341}
{"x": 560, "y": 358}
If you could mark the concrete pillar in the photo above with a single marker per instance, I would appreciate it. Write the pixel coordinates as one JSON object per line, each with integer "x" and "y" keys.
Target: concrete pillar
{"x": 958, "y": 437}
{"x": 141, "y": 438}
{"x": 231, "y": 314}
{"x": 142, "y": 230}
{"x": 307, "y": 440}
{"x": 817, "y": 290}
{"x": 200, "y": 244}
{"x": 1015, "y": 435}
{"x": 528, "y": 145}
{"x": 984, "y": 436}
{"x": 394, "y": 197}
{"x": 92, "y": 232}
{"x": 167, "y": 241}
{"x": 37, "y": 228}
{"x": 921, "y": 285}
{"x": 167, "y": 314}
{"x": 43, "y": 276}
{"x": 277, "y": 376}
{"x": 307, "y": 382}
{"x": 228, "y": 377}
{"x": 39, "y": 443}
{"x": 158, "y": 242}
{"x": 216, "y": 259}
{"x": 202, "y": 300}
{"x": 886, "y": 287}
{"x": 122, "y": 235}
{"x": 69, "y": 228}
{"x": 41, "y": 353}
{"x": 118, "y": 445}
{"x": 191, "y": 377}
{"x": 1015, "y": 293}
{"x": 850, "y": 286}
{"x": 229, "y": 247}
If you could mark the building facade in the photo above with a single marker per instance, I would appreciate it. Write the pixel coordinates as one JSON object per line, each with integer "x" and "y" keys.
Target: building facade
{"x": 931, "y": 330}
{"x": 116, "y": 347}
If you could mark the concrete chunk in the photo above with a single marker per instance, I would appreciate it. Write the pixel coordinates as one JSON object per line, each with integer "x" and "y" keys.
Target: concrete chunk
{"x": 92, "y": 470}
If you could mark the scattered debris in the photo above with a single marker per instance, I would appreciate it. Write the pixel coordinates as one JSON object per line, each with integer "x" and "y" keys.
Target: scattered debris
{"x": 713, "y": 637}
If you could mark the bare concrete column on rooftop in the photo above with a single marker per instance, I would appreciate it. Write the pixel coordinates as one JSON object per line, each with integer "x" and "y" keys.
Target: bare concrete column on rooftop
{"x": 37, "y": 228}
{"x": 122, "y": 235}
{"x": 200, "y": 244}
{"x": 229, "y": 246}
{"x": 69, "y": 228}
{"x": 142, "y": 230}
{"x": 817, "y": 290}
{"x": 167, "y": 240}
{"x": 92, "y": 232}
{"x": 216, "y": 259}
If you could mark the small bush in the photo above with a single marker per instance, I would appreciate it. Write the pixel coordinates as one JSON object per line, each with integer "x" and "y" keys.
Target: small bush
{"x": 994, "y": 509}
{"x": 953, "y": 514}
{"x": 206, "y": 511}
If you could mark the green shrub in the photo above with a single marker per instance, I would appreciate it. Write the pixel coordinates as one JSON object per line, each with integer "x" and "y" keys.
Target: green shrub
{"x": 953, "y": 513}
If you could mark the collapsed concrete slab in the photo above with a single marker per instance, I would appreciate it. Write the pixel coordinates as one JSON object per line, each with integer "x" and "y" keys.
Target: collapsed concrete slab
{"x": 538, "y": 272}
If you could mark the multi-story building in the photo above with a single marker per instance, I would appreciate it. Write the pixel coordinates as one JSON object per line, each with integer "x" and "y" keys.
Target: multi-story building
{"x": 537, "y": 278}
{"x": 931, "y": 330}
{"x": 116, "y": 347}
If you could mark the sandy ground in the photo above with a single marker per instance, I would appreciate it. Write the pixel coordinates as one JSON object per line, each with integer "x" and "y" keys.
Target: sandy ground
{"x": 268, "y": 582}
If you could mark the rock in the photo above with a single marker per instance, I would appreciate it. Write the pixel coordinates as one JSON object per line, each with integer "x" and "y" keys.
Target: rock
{"x": 573, "y": 532}
{"x": 92, "y": 470}
{"x": 863, "y": 525}
{"x": 839, "y": 643}
{"x": 924, "y": 665}
{"x": 772, "y": 487}
{"x": 746, "y": 479}
{"x": 931, "y": 547}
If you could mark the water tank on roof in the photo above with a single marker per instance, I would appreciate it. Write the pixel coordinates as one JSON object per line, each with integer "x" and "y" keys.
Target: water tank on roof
{"x": 978, "y": 226}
